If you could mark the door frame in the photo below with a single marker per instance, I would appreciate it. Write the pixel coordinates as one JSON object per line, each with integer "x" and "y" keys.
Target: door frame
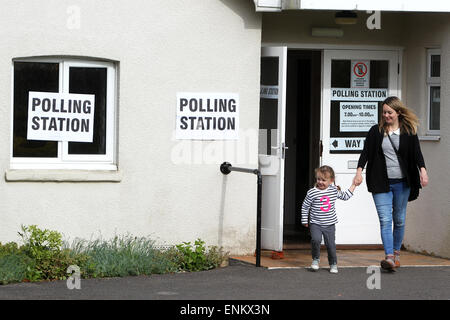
{"x": 322, "y": 47}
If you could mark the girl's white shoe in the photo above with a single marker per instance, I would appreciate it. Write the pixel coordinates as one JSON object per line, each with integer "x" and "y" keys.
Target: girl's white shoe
{"x": 334, "y": 268}
{"x": 315, "y": 265}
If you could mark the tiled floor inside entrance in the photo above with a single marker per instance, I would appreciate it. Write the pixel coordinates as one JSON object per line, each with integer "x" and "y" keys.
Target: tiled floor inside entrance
{"x": 301, "y": 258}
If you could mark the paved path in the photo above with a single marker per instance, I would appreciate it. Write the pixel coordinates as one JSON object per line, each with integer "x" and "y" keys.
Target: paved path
{"x": 241, "y": 281}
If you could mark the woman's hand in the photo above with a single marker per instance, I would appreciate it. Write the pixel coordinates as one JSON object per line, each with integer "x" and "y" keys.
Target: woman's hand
{"x": 358, "y": 179}
{"x": 423, "y": 177}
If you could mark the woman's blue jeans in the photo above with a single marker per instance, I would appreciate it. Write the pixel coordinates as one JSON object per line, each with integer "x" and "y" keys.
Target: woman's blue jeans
{"x": 391, "y": 207}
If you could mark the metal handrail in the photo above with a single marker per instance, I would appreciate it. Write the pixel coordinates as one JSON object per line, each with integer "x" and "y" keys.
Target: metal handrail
{"x": 226, "y": 168}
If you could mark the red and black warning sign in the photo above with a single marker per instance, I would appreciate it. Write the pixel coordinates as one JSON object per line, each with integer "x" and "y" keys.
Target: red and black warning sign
{"x": 360, "y": 73}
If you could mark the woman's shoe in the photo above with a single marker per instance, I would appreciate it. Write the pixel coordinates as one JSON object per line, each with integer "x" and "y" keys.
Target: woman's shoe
{"x": 388, "y": 263}
{"x": 397, "y": 258}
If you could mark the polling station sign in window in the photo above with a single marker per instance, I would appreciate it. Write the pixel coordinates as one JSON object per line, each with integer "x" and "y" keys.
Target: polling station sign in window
{"x": 358, "y": 88}
{"x": 207, "y": 116}
{"x": 60, "y": 116}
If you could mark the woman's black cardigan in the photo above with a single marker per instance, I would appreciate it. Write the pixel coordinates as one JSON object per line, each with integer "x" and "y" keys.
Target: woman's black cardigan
{"x": 411, "y": 160}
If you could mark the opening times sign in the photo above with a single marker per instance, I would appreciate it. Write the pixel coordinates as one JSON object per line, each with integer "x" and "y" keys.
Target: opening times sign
{"x": 358, "y": 116}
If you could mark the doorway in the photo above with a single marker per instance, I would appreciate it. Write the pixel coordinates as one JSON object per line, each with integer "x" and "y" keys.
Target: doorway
{"x": 303, "y": 104}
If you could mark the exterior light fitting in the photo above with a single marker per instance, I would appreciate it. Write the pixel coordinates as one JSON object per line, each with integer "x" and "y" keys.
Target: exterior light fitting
{"x": 345, "y": 17}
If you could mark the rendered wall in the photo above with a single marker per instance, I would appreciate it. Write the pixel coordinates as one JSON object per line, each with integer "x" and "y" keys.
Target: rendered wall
{"x": 170, "y": 190}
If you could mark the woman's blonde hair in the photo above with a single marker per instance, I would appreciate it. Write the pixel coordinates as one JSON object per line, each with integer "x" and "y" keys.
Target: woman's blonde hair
{"x": 407, "y": 119}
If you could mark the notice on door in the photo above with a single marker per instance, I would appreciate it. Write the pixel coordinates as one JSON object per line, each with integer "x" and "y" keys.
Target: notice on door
{"x": 60, "y": 116}
{"x": 207, "y": 116}
{"x": 358, "y": 94}
{"x": 346, "y": 144}
{"x": 360, "y": 73}
{"x": 358, "y": 116}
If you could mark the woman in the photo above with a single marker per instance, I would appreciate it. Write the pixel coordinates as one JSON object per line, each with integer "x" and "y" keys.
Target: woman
{"x": 395, "y": 172}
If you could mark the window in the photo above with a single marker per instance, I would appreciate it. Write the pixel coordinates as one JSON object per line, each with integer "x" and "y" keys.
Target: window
{"x": 64, "y": 76}
{"x": 434, "y": 90}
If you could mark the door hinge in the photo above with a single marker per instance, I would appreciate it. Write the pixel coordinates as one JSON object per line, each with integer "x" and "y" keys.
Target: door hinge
{"x": 320, "y": 148}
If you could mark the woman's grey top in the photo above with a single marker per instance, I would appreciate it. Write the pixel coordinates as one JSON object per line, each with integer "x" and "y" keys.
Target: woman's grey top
{"x": 393, "y": 167}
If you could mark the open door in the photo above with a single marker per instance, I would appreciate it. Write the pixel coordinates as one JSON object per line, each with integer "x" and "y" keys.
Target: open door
{"x": 272, "y": 144}
{"x": 355, "y": 84}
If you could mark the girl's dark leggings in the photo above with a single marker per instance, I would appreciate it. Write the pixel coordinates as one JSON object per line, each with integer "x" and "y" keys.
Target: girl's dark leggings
{"x": 329, "y": 237}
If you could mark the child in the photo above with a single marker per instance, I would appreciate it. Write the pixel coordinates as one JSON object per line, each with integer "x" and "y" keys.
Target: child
{"x": 320, "y": 204}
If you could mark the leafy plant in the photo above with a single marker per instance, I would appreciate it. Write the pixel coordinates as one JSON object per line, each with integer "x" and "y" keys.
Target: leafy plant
{"x": 13, "y": 263}
{"x": 196, "y": 257}
{"x": 44, "y": 247}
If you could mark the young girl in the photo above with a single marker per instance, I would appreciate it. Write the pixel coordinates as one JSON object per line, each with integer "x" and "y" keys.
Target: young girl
{"x": 319, "y": 203}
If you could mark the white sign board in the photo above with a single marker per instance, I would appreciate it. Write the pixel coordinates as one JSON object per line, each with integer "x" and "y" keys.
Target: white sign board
{"x": 346, "y": 144}
{"x": 358, "y": 94}
{"x": 60, "y": 116}
{"x": 207, "y": 116}
{"x": 358, "y": 116}
{"x": 360, "y": 73}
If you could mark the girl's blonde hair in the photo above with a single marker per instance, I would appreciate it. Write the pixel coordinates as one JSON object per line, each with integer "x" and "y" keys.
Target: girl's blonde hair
{"x": 407, "y": 119}
{"x": 326, "y": 171}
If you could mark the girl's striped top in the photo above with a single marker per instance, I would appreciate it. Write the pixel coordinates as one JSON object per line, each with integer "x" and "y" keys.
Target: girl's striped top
{"x": 320, "y": 205}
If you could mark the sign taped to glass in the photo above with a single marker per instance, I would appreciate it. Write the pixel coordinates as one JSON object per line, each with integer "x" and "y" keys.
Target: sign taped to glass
{"x": 60, "y": 116}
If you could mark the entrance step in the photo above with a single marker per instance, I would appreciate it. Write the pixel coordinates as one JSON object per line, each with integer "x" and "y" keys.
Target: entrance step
{"x": 346, "y": 258}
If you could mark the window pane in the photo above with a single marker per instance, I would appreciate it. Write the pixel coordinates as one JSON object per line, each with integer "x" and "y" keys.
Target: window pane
{"x": 435, "y": 66}
{"x": 91, "y": 81}
{"x": 340, "y": 73}
{"x": 32, "y": 76}
{"x": 435, "y": 108}
{"x": 268, "y": 113}
{"x": 379, "y": 74}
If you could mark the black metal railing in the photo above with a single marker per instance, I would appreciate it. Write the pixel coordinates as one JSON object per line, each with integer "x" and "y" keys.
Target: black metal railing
{"x": 226, "y": 168}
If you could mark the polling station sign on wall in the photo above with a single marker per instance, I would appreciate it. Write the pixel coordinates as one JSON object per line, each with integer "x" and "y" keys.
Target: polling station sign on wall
{"x": 60, "y": 116}
{"x": 207, "y": 116}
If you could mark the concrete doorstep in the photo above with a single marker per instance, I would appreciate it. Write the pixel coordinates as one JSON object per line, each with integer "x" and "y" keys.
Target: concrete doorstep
{"x": 346, "y": 258}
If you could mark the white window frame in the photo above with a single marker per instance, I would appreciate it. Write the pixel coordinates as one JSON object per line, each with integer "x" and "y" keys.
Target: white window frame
{"x": 65, "y": 160}
{"x": 431, "y": 82}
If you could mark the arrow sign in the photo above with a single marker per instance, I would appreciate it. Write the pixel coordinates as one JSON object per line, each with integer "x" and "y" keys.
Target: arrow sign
{"x": 335, "y": 143}
{"x": 346, "y": 144}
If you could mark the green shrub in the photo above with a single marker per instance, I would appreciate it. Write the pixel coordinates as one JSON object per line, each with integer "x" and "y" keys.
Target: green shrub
{"x": 196, "y": 257}
{"x": 44, "y": 247}
{"x": 45, "y": 256}
{"x": 123, "y": 256}
{"x": 14, "y": 263}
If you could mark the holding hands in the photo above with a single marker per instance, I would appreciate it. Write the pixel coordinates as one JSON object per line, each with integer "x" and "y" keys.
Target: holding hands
{"x": 358, "y": 179}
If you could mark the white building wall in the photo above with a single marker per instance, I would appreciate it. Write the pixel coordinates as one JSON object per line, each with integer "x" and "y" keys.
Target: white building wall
{"x": 428, "y": 218}
{"x": 170, "y": 190}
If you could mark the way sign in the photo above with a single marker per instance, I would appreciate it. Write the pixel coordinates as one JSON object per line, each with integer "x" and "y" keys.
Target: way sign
{"x": 346, "y": 144}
